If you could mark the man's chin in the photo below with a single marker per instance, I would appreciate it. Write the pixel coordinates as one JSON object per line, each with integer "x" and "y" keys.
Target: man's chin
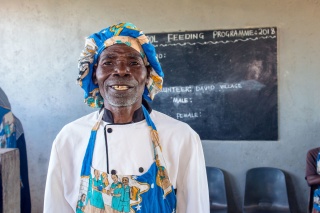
{"x": 119, "y": 102}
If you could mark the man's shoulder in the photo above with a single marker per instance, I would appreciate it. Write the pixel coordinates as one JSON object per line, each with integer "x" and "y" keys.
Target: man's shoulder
{"x": 314, "y": 151}
{"x": 76, "y": 133}
{"x": 82, "y": 123}
{"x": 86, "y": 119}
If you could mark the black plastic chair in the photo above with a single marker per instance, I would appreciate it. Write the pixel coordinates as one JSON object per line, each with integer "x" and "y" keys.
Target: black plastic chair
{"x": 217, "y": 190}
{"x": 266, "y": 191}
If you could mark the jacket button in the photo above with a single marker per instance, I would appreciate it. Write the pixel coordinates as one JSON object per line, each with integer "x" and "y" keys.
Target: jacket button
{"x": 109, "y": 130}
{"x": 141, "y": 169}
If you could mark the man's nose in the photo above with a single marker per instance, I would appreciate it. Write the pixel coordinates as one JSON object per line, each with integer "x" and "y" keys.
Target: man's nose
{"x": 121, "y": 69}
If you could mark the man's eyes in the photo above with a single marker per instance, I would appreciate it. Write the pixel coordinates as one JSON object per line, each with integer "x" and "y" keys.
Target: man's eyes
{"x": 107, "y": 63}
{"x": 131, "y": 63}
{"x": 134, "y": 63}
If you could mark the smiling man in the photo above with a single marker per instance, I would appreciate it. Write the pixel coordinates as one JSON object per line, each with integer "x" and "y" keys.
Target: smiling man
{"x": 121, "y": 76}
{"x": 159, "y": 159}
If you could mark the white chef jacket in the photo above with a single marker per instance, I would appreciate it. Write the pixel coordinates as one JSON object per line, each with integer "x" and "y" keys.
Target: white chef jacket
{"x": 129, "y": 148}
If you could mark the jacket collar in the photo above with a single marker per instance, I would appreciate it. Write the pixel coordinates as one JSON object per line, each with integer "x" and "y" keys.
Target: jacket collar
{"x": 137, "y": 115}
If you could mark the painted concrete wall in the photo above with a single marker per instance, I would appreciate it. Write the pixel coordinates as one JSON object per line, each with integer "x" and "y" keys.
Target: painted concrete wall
{"x": 40, "y": 41}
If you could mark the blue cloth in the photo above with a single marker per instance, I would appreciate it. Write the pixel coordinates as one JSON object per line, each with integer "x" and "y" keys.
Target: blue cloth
{"x": 150, "y": 200}
{"x": 96, "y": 43}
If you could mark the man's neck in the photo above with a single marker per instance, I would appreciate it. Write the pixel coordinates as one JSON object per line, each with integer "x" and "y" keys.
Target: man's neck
{"x": 122, "y": 115}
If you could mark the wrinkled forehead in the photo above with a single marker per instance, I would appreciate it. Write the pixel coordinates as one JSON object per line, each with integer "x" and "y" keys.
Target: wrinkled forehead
{"x": 120, "y": 50}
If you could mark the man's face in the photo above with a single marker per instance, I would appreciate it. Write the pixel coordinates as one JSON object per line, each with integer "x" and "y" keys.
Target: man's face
{"x": 121, "y": 76}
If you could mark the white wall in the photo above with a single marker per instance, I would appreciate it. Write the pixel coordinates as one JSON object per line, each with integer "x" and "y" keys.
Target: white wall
{"x": 40, "y": 42}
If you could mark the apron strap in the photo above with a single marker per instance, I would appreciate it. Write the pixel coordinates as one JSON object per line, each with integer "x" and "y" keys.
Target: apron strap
{"x": 87, "y": 160}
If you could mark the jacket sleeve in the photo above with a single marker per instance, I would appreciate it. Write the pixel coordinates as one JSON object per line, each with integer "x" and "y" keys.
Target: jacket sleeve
{"x": 192, "y": 189}
{"x": 54, "y": 199}
{"x": 311, "y": 165}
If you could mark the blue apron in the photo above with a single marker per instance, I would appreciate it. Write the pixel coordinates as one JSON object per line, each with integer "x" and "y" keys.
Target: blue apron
{"x": 103, "y": 192}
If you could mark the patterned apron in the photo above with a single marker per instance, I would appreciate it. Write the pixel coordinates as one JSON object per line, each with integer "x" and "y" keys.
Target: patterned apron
{"x": 103, "y": 192}
{"x": 7, "y": 128}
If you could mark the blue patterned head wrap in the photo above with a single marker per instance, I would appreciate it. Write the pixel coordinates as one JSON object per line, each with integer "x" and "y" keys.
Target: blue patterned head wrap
{"x": 123, "y": 33}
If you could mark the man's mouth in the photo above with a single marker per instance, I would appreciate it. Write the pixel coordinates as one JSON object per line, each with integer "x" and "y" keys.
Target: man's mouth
{"x": 120, "y": 87}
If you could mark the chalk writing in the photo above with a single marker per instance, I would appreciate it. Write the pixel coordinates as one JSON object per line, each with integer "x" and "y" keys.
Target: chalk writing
{"x": 177, "y": 89}
{"x": 152, "y": 39}
{"x": 267, "y": 31}
{"x": 243, "y": 33}
{"x": 161, "y": 55}
{"x": 206, "y": 88}
{"x": 181, "y": 100}
{"x": 203, "y": 88}
{"x": 185, "y": 36}
{"x": 188, "y": 115}
{"x": 230, "y": 86}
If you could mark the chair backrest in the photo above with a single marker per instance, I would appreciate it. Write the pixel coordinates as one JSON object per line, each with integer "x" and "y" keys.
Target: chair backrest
{"x": 266, "y": 190}
{"x": 217, "y": 190}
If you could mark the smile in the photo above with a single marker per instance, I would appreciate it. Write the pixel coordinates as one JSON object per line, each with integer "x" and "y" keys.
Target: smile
{"x": 120, "y": 88}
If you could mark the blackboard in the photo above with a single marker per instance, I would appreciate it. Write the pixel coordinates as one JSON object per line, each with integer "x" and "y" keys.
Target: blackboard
{"x": 223, "y": 83}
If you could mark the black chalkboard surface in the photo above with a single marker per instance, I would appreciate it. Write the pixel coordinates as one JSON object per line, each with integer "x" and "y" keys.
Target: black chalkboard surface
{"x": 223, "y": 83}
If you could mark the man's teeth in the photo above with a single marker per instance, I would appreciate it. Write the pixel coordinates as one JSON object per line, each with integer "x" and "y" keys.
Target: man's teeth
{"x": 120, "y": 87}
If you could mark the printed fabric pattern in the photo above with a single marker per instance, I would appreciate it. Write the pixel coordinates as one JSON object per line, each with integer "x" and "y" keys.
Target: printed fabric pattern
{"x": 316, "y": 194}
{"x": 122, "y": 33}
{"x": 7, "y": 126}
{"x": 103, "y": 192}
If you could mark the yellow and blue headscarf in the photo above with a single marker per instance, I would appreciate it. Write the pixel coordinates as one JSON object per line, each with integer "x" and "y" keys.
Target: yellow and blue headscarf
{"x": 123, "y": 33}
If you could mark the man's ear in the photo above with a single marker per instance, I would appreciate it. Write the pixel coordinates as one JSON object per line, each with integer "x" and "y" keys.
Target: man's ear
{"x": 94, "y": 77}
